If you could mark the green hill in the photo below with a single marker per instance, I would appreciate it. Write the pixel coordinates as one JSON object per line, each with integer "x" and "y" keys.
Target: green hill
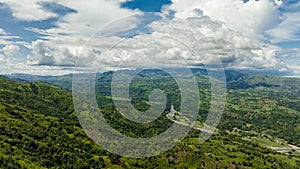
{"x": 39, "y": 128}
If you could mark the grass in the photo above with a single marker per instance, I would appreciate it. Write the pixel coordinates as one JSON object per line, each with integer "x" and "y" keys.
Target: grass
{"x": 268, "y": 142}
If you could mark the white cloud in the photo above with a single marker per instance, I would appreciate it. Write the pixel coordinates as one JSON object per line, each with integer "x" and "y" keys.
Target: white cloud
{"x": 295, "y": 70}
{"x": 288, "y": 30}
{"x": 2, "y": 58}
{"x": 2, "y": 32}
{"x": 49, "y": 53}
{"x": 10, "y": 49}
{"x": 289, "y": 52}
{"x": 62, "y": 50}
{"x": 93, "y": 15}
{"x": 214, "y": 40}
{"x": 229, "y": 29}
{"x": 89, "y": 16}
{"x": 65, "y": 50}
{"x": 9, "y": 68}
{"x": 251, "y": 19}
{"x": 208, "y": 37}
{"x": 211, "y": 38}
{"x": 6, "y": 38}
{"x": 29, "y": 10}
{"x": 12, "y": 54}
{"x": 87, "y": 19}
{"x": 12, "y": 60}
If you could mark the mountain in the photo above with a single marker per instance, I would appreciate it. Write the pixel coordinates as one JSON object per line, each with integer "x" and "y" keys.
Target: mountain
{"x": 64, "y": 81}
{"x": 259, "y": 129}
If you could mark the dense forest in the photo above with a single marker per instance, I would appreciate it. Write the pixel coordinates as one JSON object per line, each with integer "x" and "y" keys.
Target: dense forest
{"x": 39, "y": 127}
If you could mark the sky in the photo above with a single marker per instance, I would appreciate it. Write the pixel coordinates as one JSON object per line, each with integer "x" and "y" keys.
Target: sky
{"x": 52, "y": 37}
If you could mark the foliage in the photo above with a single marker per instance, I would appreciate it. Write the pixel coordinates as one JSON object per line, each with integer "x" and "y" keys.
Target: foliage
{"x": 39, "y": 127}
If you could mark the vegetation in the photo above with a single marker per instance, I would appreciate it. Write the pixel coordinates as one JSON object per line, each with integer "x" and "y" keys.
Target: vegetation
{"x": 39, "y": 128}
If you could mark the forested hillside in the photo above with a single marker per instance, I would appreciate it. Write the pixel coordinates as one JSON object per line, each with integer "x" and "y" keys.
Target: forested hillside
{"x": 39, "y": 128}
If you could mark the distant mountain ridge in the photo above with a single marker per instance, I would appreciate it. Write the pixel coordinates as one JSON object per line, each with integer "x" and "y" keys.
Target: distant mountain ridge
{"x": 235, "y": 79}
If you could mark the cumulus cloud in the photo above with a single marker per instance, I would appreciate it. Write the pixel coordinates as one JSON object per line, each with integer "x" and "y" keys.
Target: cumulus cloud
{"x": 61, "y": 45}
{"x": 2, "y": 32}
{"x": 11, "y": 53}
{"x": 229, "y": 30}
{"x": 49, "y": 53}
{"x": 251, "y": 19}
{"x": 210, "y": 36}
{"x": 65, "y": 50}
{"x": 178, "y": 39}
{"x": 11, "y": 49}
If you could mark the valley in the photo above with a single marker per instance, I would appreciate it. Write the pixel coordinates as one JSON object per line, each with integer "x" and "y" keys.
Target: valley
{"x": 259, "y": 128}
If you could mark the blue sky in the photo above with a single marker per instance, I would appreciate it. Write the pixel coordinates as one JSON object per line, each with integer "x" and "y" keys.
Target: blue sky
{"x": 146, "y": 6}
{"x": 44, "y": 32}
{"x": 20, "y": 27}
